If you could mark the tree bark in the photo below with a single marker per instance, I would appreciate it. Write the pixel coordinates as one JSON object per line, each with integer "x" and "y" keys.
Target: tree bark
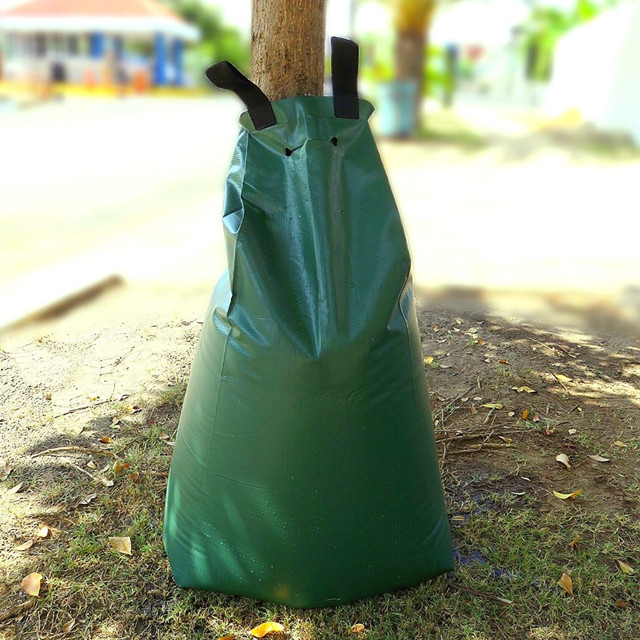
{"x": 287, "y": 47}
{"x": 410, "y": 55}
{"x": 412, "y": 20}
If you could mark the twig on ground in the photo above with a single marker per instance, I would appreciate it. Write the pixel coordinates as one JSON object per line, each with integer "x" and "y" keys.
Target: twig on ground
{"x": 560, "y": 381}
{"x": 475, "y": 592}
{"x": 474, "y": 436}
{"x": 552, "y": 347}
{"x": 481, "y": 447}
{"x": 16, "y": 610}
{"x": 49, "y": 452}
{"x": 83, "y": 407}
{"x": 102, "y": 481}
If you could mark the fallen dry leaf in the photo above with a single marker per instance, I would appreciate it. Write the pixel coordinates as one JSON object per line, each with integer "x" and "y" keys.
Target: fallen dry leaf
{"x": 427, "y": 360}
{"x": 15, "y": 489}
{"x": 134, "y": 476}
{"x": 6, "y": 470}
{"x": 574, "y": 543}
{"x": 357, "y": 628}
{"x": 458, "y": 320}
{"x": 566, "y": 583}
{"x": 47, "y": 396}
{"x": 619, "y": 443}
{"x": 119, "y": 465}
{"x": 231, "y": 637}
{"x": 67, "y": 626}
{"x": 24, "y": 546}
{"x": 473, "y": 410}
{"x": 625, "y": 568}
{"x": 501, "y": 361}
{"x": 31, "y": 584}
{"x": 121, "y": 545}
{"x": 44, "y": 532}
{"x": 536, "y": 418}
{"x": 87, "y": 500}
{"x": 572, "y": 432}
{"x": 105, "y": 440}
{"x": 599, "y": 459}
{"x": 621, "y": 604}
{"x": 436, "y": 328}
{"x": 563, "y": 378}
{"x": 446, "y": 366}
{"x": 563, "y": 458}
{"x": 567, "y": 496}
{"x": 524, "y": 389}
{"x": 266, "y": 628}
{"x": 505, "y": 439}
{"x": 525, "y": 413}
{"x": 493, "y": 405}
{"x": 481, "y": 342}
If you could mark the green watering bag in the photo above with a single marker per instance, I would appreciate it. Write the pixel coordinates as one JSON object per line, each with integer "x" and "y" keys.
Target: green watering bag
{"x": 304, "y": 470}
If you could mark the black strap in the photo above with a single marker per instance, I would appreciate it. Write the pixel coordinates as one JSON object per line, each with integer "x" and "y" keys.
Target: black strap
{"x": 344, "y": 75}
{"x": 225, "y": 76}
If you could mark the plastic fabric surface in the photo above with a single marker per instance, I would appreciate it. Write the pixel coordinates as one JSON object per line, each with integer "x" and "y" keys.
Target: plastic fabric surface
{"x": 304, "y": 469}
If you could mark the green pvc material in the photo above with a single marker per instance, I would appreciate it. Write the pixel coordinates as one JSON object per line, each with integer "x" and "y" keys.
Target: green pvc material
{"x": 305, "y": 470}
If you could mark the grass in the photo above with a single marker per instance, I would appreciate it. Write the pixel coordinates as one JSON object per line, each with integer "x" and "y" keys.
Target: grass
{"x": 512, "y": 546}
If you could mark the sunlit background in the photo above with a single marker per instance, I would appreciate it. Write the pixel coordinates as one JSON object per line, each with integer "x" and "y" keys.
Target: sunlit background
{"x": 517, "y": 180}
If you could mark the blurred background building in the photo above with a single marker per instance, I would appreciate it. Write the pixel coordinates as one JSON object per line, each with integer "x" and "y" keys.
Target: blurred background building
{"x": 91, "y": 42}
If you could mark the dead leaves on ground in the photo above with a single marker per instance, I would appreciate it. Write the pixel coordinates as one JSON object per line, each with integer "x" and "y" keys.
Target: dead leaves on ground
{"x": 357, "y": 628}
{"x": 266, "y": 628}
{"x": 67, "y": 626}
{"x": 574, "y": 543}
{"x": 567, "y": 496}
{"x": 31, "y": 584}
{"x": 524, "y": 389}
{"x": 566, "y": 583}
{"x": 121, "y": 544}
{"x": 599, "y": 459}
{"x": 563, "y": 458}
{"x": 625, "y": 568}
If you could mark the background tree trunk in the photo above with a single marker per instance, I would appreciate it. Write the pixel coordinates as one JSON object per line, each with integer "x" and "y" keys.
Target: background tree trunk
{"x": 287, "y": 47}
{"x": 410, "y": 56}
{"x": 412, "y": 20}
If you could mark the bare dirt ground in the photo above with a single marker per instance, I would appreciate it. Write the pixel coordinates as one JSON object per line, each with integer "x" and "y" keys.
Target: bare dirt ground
{"x": 508, "y": 396}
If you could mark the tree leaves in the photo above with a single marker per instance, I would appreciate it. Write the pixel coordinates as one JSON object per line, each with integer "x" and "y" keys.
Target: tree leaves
{"x": 357, "y": 628}
{"x": 563, "y": 458}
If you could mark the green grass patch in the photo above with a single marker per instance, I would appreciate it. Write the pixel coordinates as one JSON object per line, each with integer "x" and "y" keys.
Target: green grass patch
{"x": 514, "y": 547}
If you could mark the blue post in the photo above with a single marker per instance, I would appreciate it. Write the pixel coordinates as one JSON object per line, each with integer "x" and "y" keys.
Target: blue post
{"x": 96, "y": 45}
{"x": 160, "y": 60}
{"x": 118, "y": 47}
{"x": 178, "y": 63}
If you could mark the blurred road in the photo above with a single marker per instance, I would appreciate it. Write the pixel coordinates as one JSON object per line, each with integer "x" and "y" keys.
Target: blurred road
{"x": 134, "y": 188}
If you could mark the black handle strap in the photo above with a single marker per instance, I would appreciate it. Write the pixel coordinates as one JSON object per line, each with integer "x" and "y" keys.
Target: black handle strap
{"x": 344, "y": 75}
{"x": 225, "y": 76}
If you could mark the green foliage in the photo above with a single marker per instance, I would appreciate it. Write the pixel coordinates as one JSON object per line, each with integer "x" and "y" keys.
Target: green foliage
{"x": 546, "y": 26}
{"x": 217, "y": 40}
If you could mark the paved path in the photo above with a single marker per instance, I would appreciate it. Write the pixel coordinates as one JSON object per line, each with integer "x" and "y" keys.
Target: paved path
{"x": 134, "y": 188}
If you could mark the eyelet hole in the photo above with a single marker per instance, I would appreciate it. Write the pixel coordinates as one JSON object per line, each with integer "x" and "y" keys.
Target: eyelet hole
{"x": 334, "y": 141}
{"x": 287, "y": 151}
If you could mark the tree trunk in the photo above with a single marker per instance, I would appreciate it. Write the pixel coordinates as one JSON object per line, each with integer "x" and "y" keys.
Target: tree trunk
{"x": 410, "y": 54}
{"x": 287, "y": 47}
